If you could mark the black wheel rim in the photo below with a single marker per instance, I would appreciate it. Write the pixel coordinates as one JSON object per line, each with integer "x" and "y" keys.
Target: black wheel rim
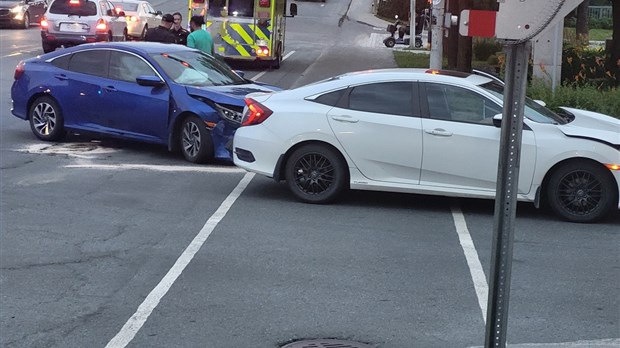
{"x": 44, "y": 118}
{"x": 191, "y": 139}
{"x": 313, "y": 173}
{"x": 580, "y": 192}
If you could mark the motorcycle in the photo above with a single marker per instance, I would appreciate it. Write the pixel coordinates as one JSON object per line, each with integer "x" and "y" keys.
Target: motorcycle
{"x": 391, "y": 41}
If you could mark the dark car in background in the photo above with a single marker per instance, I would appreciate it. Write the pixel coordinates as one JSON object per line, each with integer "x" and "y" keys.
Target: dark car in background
{"x": 21, "y": 13}
{"x": 158, "y": 93}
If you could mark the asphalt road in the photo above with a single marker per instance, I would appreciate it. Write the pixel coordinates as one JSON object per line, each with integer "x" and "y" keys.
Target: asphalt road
{"x": 97, "y": 231}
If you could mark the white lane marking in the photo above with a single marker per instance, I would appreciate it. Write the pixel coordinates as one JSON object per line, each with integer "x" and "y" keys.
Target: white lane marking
{"x": 137, "y": 320}
{"x": 12, "y": 55}
{"x": 473, "y": 261}
{"x": 260, "y": 74}
{"x": 157, "y": 168}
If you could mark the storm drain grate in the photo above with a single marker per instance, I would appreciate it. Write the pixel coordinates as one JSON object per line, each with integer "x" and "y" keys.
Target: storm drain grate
{"x": 326, "y": 343}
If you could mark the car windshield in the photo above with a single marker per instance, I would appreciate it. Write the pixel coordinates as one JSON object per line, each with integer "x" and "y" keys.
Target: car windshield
{"x": 126, "y": 6}
{"x": 195, "y": 68}
{"x": 77, "y": 8}
{"x": 533, "y": 110}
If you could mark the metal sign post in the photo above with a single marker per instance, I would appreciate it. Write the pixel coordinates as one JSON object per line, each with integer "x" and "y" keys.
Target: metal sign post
{"x": 506, "y": 197}
{"x": 412, "y": 24}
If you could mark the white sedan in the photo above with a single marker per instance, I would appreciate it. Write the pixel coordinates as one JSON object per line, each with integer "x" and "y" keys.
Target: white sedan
{"x": 426, "y": 132}
{"x": 139, "y": 17}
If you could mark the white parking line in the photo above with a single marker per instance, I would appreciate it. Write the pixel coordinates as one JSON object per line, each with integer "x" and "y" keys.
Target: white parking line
{"x": 473, "y": 261}
{"x": 137, "y": 320}
{"x": 158, "y": 168}
{"x": 260, "y": 74}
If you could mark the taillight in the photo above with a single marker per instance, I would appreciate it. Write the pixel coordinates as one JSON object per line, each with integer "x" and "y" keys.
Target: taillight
{"x": 101, "y": 26}
{"x": 262, "y": 51}
{"x": 256, "y": 113}
{"x": 19, "y": 70}
{"x": 44, "y": 23}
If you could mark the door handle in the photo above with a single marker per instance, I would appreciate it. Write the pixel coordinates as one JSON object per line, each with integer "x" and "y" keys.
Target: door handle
{"x": 438, "y": 132}
{"x": 61, "y": 77}
{"x": 110, "y": 89}
{"x": 348, "y": 119}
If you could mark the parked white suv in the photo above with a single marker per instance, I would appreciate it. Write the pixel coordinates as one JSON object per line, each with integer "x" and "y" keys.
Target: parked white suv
{"x": 73, "y": 22}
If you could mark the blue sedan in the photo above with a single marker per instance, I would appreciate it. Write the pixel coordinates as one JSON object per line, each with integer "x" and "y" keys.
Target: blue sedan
{"x": 157, "y": 93}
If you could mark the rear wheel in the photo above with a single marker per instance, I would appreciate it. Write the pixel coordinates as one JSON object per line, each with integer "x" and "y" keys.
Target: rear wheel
{"x": 126, "y": 35}
{"x": 389, "y": 42}
{"x": 316, "y": 173}
{"x": 46, "y": 120}
{"x": 144, "y": 30}
{"x": 581, "y": 191}
{"x": 195, "y": 140}
{"x": 48, "y": 47}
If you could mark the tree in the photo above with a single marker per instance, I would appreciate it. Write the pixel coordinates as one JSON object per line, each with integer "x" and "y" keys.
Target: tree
{"x": 614, "y": 49}
{"x": 582, "y": 22}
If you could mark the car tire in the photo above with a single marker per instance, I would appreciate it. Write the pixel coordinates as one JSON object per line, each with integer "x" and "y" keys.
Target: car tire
{"x": 581, "y": 191}
{"x": 46, "y": 121}
{"x": 276, "y": 63}
{"x": 389, "y": 42}
{"x": 144, "y": 30}
{"x": 195, "y": 140}
{"x": 47, "y": 47}
{"x": 316, "y": 174}
{"x": 126, "y": 35}
{"x": 26, "y": 22}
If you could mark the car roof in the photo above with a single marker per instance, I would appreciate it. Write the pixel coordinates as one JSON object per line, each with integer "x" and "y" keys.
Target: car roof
{"x": 143, "y": 47}
{"x": 395, "y": 74}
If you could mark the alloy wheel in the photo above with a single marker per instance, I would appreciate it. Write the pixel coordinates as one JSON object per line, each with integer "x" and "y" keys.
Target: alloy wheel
{"x": 580, "y": 192}
{"x": 44, "y": 118}
{"x": 191, "y": 139}
{"x": 313, "y": 173}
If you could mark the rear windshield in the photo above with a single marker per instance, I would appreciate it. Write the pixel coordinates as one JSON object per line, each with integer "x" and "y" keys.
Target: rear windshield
{"x": 74, "y": 8}
{"x": 126, "y": 6}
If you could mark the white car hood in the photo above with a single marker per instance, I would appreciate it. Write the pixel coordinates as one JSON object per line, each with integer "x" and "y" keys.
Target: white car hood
{"x": 588, "y": 124}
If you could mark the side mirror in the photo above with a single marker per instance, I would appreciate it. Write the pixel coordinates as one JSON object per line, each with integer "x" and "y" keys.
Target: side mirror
{"x": 148, "y": 80}
{"x": 497, "y": 120}
{"x": 293, "y": 10}
{"x": 159, "y": 13}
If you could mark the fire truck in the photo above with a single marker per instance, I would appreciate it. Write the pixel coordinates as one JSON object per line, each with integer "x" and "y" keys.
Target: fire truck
{"x": 248, "y": 30}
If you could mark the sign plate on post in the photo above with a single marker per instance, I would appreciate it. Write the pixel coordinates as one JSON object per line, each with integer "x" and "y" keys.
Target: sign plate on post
{"x": 477, "y": 23}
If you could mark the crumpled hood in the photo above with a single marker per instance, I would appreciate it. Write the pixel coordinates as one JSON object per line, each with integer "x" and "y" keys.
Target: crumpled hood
{"x": 232, "y": 94}
{"x": 588, "y": 124}
{"x": 10, "y": 4}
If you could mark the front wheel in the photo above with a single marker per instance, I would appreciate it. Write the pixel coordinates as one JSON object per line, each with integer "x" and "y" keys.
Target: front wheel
{"x": 581, "y": 191}
{"x": 46, "y": 120}
{"x": 196, "y": 142}
{"x": 316, "y": 174}
{"x": 389, "y": 42}
{"x": 26, "y": 23}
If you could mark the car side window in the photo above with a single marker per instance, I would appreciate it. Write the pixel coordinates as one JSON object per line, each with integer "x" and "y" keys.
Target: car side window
{"x": 93, "y": 62}
{"x": 446, "y": 102}
{"x": 393, "y": 98}
{"x": 331, "y": 98}
{"x": 62, "y": 62}
{"x": 127, "y": 67}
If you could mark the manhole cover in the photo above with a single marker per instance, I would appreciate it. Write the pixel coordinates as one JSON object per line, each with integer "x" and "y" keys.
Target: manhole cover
{"x": 326, "y": 343}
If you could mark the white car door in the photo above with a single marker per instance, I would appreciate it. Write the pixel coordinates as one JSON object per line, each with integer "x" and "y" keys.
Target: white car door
{"x": 461, "y": 145}
{"x": 379, "y": 128}
{"x": 117, "y": 24}
{"x": 152, "y": 18}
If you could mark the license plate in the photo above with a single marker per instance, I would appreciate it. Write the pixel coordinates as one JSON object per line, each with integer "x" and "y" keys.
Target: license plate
{"x": 72, "y": 27}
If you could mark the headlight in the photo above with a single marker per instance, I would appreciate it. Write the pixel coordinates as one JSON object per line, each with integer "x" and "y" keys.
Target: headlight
{"x": 17, "y": 9}
{"x": 230, "y": 114}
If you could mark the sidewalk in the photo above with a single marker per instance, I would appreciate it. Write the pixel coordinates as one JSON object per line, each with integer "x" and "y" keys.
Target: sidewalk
{"x": 362, "y": 11}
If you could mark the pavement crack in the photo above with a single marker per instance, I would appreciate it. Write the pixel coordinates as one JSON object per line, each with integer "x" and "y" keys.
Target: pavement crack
{"x": 60, "y": 263}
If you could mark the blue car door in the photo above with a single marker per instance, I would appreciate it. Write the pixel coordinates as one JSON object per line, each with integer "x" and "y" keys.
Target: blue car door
{"x": 135, "y": 111}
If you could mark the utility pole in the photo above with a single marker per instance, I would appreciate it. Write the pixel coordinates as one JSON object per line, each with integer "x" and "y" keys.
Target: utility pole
{"x": 412, "y": 24}
{"x": 436, "y": 59}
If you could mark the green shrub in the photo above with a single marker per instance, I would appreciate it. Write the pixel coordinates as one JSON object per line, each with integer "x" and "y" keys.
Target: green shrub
{"x": 584, "y": 97}
{"x": 602, "y": 23}
{"x": 406, "y": 59}
{"x": 483, "y": 48}
{"x": 583, "y": 66}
